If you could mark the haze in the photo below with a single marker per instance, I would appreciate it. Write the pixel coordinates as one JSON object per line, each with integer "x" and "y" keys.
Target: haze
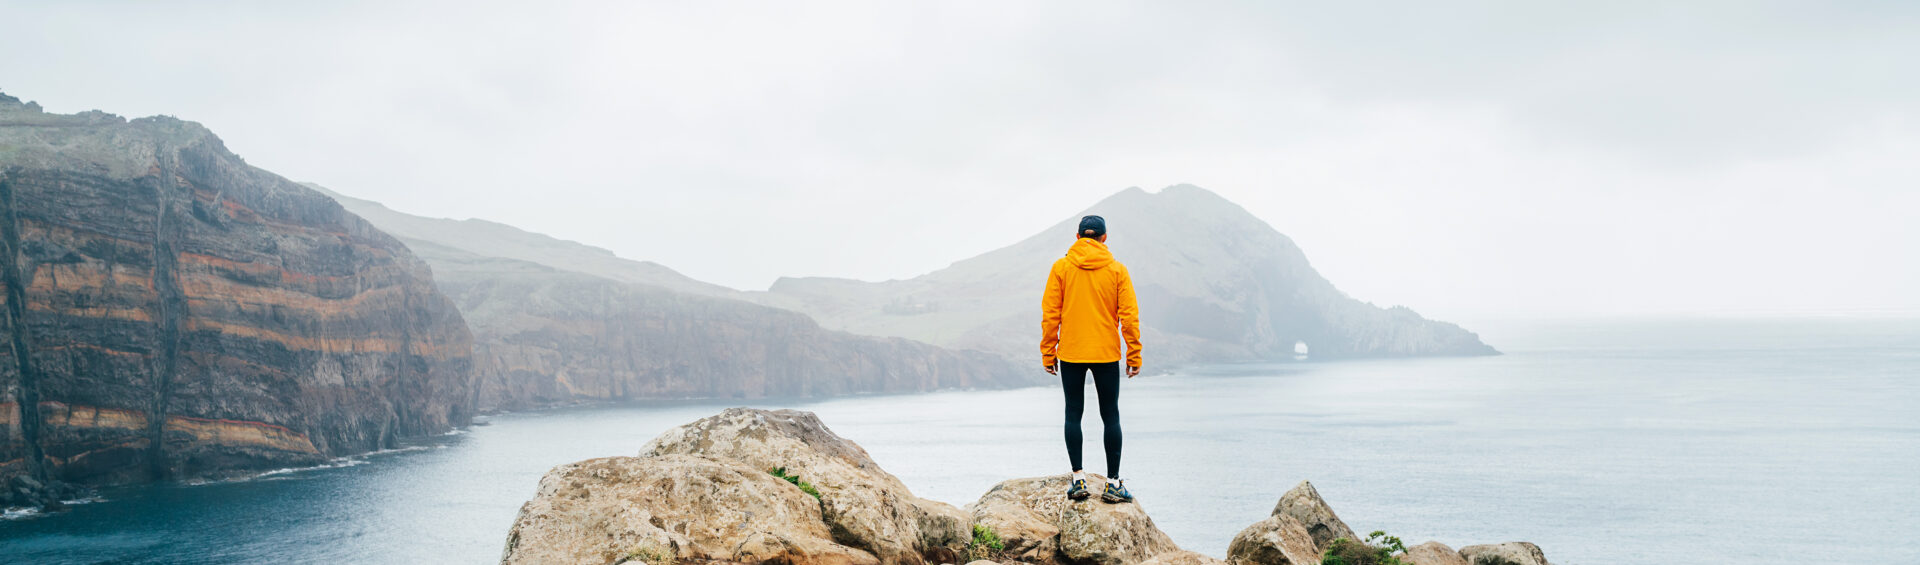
{"x": 1471, "y": 161}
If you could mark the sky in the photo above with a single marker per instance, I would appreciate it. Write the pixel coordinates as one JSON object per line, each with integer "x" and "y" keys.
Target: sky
{"x": 1470, "y": 160}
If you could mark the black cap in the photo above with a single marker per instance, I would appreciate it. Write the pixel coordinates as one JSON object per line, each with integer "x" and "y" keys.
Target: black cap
{"x": 1093, "y": 226}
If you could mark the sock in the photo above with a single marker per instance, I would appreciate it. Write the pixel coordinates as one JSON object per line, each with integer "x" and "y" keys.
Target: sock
{"x": 1079, "y": 475}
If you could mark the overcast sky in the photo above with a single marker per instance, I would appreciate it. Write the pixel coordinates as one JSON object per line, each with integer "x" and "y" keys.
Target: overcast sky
{"x": 1472, "y": 161}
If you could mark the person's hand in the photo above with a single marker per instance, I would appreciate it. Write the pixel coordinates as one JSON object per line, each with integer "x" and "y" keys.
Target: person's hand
{"x": 1052, "y": 369}
{"x": 1133, "y": 371}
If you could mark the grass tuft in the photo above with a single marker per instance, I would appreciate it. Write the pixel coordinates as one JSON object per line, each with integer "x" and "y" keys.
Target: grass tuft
{"x": 805, "y": 487}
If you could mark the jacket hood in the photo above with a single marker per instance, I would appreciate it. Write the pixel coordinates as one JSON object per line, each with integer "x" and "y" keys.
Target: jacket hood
{"x": 1089, "y": 254}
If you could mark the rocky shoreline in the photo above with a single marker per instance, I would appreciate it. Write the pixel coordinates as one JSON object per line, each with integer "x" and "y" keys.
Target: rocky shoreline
{"x": 761, "y": 486}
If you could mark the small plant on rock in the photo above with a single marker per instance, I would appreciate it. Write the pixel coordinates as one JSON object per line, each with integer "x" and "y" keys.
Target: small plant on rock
{"x": 650, "y": 554}
{"x": 805, "y": 487}
{"x": 1379, "y": 549}
{"x": 986, "y": 544}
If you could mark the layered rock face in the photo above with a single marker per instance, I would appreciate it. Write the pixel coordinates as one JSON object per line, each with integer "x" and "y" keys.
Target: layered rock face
{"x": 703, "y": 492}
{"x": 1215, "y": 283}
{"x": 172, "y": 312}
{"x": 581, "y": 324}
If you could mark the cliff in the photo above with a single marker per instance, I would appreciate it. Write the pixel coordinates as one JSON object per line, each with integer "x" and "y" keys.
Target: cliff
{"x": 173, "y": 313}
{"x": 760, "y": 486}
{"x": 1215, "y": 283}
{"x": 556, "y": 321}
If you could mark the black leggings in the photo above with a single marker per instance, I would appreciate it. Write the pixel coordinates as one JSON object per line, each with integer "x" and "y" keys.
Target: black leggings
{"x": 1106, "y": 379}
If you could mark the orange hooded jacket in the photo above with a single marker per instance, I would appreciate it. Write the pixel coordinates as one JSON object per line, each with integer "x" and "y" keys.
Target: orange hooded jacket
{"x": 1089, "y": 306}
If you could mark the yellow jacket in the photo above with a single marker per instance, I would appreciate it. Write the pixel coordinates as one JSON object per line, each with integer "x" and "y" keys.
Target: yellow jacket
{"x": 1088, "y": 307}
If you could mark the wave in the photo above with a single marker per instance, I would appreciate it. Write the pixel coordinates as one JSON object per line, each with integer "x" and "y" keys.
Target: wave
{"x": 22, "y": 513}
{"x": 19, "y": 513}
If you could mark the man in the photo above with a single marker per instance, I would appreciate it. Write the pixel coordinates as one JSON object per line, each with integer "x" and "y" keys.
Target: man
{"x": 1088, "y": 306}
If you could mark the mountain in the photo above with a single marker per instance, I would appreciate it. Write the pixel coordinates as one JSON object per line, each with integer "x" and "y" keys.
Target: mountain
{"x": 173, "y": 313}
{"x": 1215, "y": 283}
{"x": 555, "y": 322}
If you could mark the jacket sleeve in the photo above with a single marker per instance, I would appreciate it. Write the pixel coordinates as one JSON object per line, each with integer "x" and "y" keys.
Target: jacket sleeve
{"x": 1129, "y": 318}
{"x": 1050, "y": 317}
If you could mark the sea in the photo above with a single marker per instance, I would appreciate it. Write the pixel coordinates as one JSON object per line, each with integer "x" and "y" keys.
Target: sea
{"x": 1752, "y": 440}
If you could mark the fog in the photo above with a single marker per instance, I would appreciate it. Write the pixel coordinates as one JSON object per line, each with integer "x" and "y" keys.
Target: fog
{"x": 1472, "y": 161}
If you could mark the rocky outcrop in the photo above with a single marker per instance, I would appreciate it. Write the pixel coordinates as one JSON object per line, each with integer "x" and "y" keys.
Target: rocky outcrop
{"x": 1278, "y": 540}
{"x": 694, "y": 492}
{"x": 705, "y": 492}
{"x": 1214, "y": 282}
{"x": 1433, "y": 553}
{"x": 26, "y": 491}
{"x": 1298, "y": 531}
{"x": 1509, "y": 553}
{"x": 865, "y": 506}
{"x": 644, "y": 509}
{"x": 556, "y": 322}
{"x": 1303, "y": 503}
{"x": 172, "y": 312}
{"x": 1040, "y": 525}
{"x": 1303, "y": 527}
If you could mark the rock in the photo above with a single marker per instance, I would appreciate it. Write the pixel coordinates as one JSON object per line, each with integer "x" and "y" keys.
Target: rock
{"x": 186, "y": 315}
{"x": 1433, "y": 553}
{"x": 1278, "y": 540}
{"x": 1039, "y": 524}
{"x": 865, "y": 506}
{"x": 671, "y": 507}
{"x": 1182, "y": 557}
{"x": 25, "y": 491}
{"x": 1515, "y": 552}
{"x": 1303, "y": 503}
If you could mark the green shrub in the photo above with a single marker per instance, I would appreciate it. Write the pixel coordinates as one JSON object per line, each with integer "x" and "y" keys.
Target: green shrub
{"x": 985, "y": 536}
{"x": 986, "y": 545}
{"x": 805, "y": 487}
{"x": 1379, "y": 549}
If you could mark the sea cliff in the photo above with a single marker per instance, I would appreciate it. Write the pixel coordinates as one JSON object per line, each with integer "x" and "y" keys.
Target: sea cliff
{"x": 174, "y": 313}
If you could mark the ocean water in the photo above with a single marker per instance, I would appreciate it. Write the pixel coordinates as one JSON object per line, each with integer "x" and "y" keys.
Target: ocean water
{"x": 1755, "y": 441}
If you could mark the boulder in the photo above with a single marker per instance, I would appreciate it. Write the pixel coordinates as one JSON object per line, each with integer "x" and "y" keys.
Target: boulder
{"x": 864, "y": 506}
{"x": 1303, "y": 503}
{"x": 1182, "y": 557}
{"x": 1432, "y": 553}
{"x": 671, "y": 507}
{"x": 1516, "y": 552}
{"x": 1278, "y": 540}
{"x": 1040, "y": 525}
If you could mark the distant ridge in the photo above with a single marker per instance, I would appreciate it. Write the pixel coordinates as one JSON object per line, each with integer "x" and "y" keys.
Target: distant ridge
{"x": 494, "y": 239}
{"x": 1215, "y": 284}
{"x": 557, "y": 322}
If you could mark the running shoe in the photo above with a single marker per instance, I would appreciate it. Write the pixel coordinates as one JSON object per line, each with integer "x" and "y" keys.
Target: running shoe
{"x": 1079, "y": 490}
{"x": 1116, "y": 492}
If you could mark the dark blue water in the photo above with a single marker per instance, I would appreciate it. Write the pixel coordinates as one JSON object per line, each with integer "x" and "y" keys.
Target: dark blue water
{"x": 1674, "y": 442}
